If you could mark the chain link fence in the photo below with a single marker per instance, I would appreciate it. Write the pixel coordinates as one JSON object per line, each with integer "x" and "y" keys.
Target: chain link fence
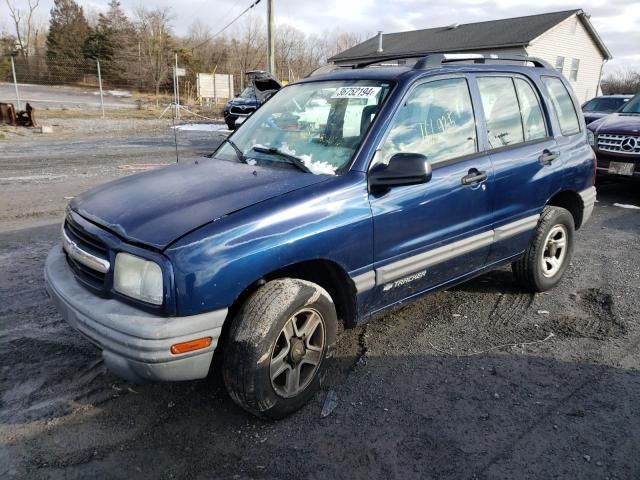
{"x": 122, "y": 84}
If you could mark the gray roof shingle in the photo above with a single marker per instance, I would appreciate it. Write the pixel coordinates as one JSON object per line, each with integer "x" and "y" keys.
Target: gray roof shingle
{"x": 508, "y": 32}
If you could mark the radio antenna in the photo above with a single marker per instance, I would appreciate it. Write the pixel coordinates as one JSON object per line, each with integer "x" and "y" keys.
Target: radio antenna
{"x": 175, "y": 136}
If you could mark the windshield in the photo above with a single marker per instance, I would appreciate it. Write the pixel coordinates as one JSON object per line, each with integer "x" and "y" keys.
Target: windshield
{"x": 318, "y": 125}
{"x": 248, "y": 92}
{"x": 632, "y": 106}
{"x": 603, "y": 104}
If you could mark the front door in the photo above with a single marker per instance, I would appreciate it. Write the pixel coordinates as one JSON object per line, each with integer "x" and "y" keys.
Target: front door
{"x": 428, "y": 234}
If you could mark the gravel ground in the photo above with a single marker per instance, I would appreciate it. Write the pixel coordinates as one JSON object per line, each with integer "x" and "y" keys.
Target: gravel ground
{"x": 481, "y": 381}
{"x": 39, "y": 173}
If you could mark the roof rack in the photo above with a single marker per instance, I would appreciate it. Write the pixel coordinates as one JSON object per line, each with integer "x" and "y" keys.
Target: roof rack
{"x": 442, "y": 58}
{"x": 438, "y": 59}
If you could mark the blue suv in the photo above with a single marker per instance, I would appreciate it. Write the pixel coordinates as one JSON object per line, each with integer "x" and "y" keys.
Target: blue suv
{"x": 347, "y": 194}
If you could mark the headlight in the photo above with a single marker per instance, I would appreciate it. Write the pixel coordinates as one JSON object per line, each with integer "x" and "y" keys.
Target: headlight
{"x": 138, "y": 278}
{"x": 591, "y": 138}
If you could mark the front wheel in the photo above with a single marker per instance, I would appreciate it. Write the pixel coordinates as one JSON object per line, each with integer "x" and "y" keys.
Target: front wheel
{"x": 277, "y": 347}
{"x": 549, "y": 252}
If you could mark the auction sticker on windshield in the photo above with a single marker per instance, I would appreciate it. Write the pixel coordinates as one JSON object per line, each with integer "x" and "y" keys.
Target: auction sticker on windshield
{"x": 356, "y": 92}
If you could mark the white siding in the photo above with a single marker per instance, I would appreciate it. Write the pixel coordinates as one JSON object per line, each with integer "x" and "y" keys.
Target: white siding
{"x": 570, "y": 40}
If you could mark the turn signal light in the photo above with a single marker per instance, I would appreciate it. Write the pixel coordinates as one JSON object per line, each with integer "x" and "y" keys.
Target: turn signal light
{"x": 191, "y": 345}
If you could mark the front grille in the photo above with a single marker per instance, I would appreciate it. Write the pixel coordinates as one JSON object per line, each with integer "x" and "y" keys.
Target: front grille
{"x": 91, "y": 244}
{"x": 242, "y": 111}
{"x": 624, "y": 144}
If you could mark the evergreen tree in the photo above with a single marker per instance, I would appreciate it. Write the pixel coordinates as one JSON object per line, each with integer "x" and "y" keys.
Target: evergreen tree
{"x": 115, "y": 43}
{"x": 68, "y": 30}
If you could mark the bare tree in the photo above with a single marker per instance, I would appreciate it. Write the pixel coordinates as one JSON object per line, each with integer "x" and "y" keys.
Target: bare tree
{"x": 622, "y": 82}
{"x": 157, "y": 47}
{"x": 248, "y": 47}
{"x": 23, "y": 22}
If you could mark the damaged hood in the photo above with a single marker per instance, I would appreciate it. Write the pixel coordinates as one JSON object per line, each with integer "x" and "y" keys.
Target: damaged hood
{"x": 157, "y": 207}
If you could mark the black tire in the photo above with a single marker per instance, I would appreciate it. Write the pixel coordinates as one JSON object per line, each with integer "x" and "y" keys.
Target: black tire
{"x": 252, "y": 339}
{"x": 231, "y": 124}
{"x": 528, "y": 270}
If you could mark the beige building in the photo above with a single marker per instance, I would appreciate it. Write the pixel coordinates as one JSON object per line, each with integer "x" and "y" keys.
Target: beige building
{"x": 567, "y": 40}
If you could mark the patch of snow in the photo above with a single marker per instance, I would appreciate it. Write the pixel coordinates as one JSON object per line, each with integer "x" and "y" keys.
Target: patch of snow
{"x": 626, "y": 205}
{"x": 118, "y": 93}
{"x": 252, "y": 162}
{"x": 203, "y": 127}
{"x": 318, "y": 168}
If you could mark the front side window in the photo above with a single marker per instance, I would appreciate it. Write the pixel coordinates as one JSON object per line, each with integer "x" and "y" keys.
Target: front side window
{"x": 563, "y": 105}
{"x": 435, "y": 120}
{"x": 316, "y": 125}
{"x": 575, "y": 65}
{"x": 501, "y": 111}
{"x": 530, "y": 111}
{"x": 559, "y": 63}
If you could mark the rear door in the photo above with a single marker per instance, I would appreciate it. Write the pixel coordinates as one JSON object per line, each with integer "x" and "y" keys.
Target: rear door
{"x": 428, "y": 234}
{"x": 524, "y": 155}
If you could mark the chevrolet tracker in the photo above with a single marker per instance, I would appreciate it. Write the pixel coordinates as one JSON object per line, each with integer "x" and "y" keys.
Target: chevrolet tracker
{"x": 346, "y": 194}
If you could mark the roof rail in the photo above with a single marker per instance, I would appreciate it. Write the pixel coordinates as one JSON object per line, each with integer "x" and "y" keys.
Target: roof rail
{"x": 438, "y": 59}
{"x": 442, "y": 58}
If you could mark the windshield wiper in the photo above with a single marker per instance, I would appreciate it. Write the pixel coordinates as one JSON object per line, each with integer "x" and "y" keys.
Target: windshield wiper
{"x": 293, "y": 160}
{"x": 239, "y": 153}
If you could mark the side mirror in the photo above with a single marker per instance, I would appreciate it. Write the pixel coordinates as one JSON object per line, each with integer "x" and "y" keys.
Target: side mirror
{"x": 403, "y": 169}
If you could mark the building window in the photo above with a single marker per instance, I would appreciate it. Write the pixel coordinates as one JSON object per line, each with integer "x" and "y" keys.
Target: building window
{"x": 575, "y": 64}
{"x": 559, "y": 63}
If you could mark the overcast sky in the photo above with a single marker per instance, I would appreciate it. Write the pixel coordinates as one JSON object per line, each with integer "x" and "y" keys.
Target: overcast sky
{"x": 617, "y": 21}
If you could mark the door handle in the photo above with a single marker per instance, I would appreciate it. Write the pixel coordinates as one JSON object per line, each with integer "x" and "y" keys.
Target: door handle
{"x": 547, "y": 157}
{"x": 474, "y": 177}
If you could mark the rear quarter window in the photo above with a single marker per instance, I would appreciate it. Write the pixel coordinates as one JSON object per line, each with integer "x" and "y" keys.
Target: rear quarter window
{"x": 563, "y": 105}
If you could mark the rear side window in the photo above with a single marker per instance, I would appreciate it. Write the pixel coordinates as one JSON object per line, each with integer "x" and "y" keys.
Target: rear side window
{"x": 563, "y": 105}
{"x": 435, "y": 120}
{"x": 532, "y": 118}
{"x": 501, "y": 110}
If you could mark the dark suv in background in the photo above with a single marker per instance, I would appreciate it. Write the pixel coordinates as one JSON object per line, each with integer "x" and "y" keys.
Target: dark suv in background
{"x": 599, "y": 107}
{"x": 616, "y": 141}
{"x": 261, "y": 86}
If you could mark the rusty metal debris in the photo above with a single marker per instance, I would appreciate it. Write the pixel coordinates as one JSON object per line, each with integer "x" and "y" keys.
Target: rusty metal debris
{"x": 7, "y": 114}
{"x": 22, "y": 118}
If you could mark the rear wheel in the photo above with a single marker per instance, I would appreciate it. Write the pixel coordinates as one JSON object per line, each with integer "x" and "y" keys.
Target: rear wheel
{"x": 277, "y": 347}
{"x": 549, "y": 252}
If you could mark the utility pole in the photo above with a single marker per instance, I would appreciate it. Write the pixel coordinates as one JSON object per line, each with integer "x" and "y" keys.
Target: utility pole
{"x": 271, "y": 39}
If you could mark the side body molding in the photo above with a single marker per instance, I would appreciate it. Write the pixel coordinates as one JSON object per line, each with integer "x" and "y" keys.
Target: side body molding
{"x": 416, "y": 263}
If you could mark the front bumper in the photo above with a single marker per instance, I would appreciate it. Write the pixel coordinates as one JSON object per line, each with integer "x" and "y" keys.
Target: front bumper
{"x": 135, "y": 344}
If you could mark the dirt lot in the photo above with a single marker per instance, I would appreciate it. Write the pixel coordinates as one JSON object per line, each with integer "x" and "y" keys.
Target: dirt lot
{"x": 481, "y": 381}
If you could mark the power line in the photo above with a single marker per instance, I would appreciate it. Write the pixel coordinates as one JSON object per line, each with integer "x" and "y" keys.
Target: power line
{"x": 207, "y": 40}
{"x": 256, "y": 2}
